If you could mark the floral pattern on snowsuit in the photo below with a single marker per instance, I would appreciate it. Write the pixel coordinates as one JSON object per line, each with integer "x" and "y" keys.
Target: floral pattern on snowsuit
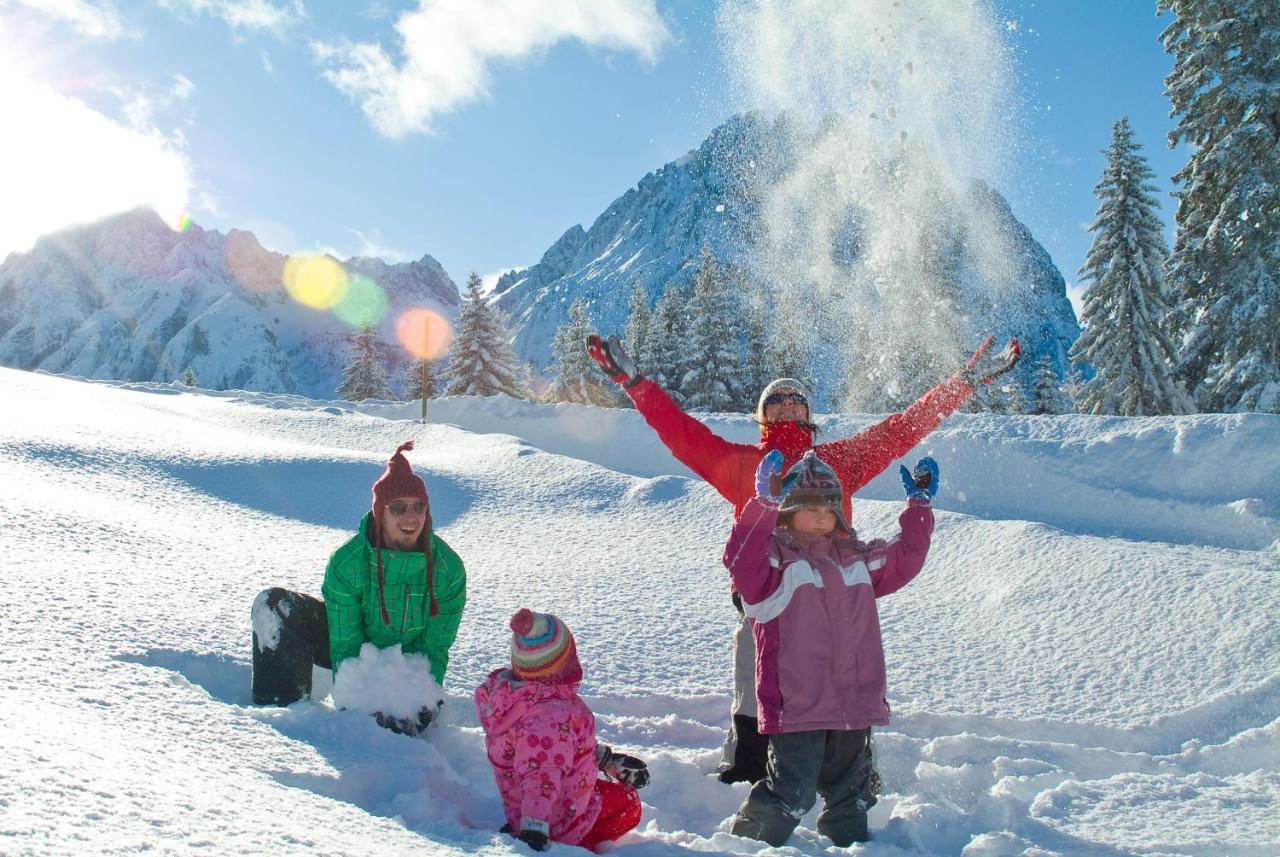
{"x": 541, "y": 740}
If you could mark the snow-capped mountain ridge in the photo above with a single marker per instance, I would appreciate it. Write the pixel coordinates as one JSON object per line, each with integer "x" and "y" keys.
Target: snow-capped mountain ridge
{"x": 716, "y": 196}
{"x": 130, "y": 298}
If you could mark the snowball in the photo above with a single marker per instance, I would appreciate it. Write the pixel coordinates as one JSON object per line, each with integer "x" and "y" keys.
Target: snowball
{"x": 386, "y": 680}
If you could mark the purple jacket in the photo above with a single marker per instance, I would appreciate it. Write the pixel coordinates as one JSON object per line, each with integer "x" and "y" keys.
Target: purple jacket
{"x": 541, "y": 740}
{"x": 812, "y": 600}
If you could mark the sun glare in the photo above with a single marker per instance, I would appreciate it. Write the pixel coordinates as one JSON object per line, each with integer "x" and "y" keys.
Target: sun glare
{"x": 315, "y": 281}
{"x": 424, "y": 333}
{"x": 62, "y": 163}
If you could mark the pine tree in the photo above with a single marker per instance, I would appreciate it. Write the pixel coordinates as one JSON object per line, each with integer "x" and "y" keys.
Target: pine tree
{"x": 412, "y": 379}
{"x": 758, "y": 371}
{"x": 1015, "y": 396}
{"x": 365, "y": 375}
{"x": 1047, "y": 395}
{"x": 481, "y": 360}
{"x": 1225, "y": 267}
{"x": 713, "y": 381}
{"x": 668, "y": 342}
{"x": 579, "y": 379}
{"x": 189, "y": 377}
{"x": 1123, "y": 338}
{"x": 639, "y": 320}
{"x": 1074, "y": 389}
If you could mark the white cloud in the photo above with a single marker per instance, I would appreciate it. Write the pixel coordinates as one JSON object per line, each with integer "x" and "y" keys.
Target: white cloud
{"x": 72, "y": 164}
{"x": 141, "y": 107}
{"x": 95, "y": 20}
{"x": 448, "y": 46}
{"x": 489, "y": 282}
{"x": 371, "y": 245}
{"x": 1075, "y": 294}
{"x": 244, "y": 14}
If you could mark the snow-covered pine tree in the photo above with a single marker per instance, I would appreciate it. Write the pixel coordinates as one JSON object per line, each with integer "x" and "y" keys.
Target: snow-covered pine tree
{"x": 639, "y": 320}
{"x": 668, "y": 342}
{"x": 578, "y": 378}
{"x": 482, "y": 362}
{"x": 189, "y": 377}
{"x": 1225, "y": 267}
{"x": 1015, "y": 395}
{"x": 412, "y": 379}
{"x": 713, "y": 381}
{"x": 1122, "y": 334}
{"x": 757, "y": 371}
{"x": 365, "y": 375}
{"x": 1047, "y": 396}
{"x": 1073, "y": 387}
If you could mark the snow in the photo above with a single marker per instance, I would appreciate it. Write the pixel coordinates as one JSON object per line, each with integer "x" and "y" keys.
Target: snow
{"x": 386, "y": 680}
{"x": 1088, "y": 664}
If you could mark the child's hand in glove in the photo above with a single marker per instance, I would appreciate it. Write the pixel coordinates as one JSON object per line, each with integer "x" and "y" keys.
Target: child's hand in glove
{"x": 620, "y": 766}
{"x": 922, "y": 482}
{"x": 769, "y": 476}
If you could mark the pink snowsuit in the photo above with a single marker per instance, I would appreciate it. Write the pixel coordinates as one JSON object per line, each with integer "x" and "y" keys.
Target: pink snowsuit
{"x": 541, "y": 740}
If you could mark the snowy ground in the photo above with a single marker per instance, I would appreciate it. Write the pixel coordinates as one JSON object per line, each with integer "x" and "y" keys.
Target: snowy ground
{"x": 1089, "y": 663}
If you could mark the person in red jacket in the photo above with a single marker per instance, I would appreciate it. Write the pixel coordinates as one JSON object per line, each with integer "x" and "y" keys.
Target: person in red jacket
{"x": 785, "y": 425}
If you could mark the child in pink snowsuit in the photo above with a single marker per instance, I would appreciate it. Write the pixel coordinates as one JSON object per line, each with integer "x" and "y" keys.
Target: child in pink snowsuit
{"x": 541, "y": 739}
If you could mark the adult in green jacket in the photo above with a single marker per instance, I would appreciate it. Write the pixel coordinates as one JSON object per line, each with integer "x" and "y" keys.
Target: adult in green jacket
{"x": 395, "y": 582}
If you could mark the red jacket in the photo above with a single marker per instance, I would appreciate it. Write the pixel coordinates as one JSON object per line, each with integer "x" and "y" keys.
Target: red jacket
{"x": 730, "y": 468}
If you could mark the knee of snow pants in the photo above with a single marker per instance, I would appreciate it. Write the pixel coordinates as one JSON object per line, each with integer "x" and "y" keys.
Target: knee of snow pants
{"x": 290, "y": 634}
{"x": 776, "y": 804}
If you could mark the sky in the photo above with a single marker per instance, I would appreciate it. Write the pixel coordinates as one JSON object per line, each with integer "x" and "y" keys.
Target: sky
{"x": 475, "y": 131}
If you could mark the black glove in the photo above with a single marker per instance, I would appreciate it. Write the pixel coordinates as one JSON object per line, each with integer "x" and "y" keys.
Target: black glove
{"x": 620, "y": 766}
{"x": 535, "y": 839}
{"x": 614, "y": 360}
{"x": 406, "y": 725}
{"x": 984, "y": 367}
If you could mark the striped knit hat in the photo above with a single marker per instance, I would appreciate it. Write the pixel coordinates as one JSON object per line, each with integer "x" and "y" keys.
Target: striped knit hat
{"x": 542, "y": 649}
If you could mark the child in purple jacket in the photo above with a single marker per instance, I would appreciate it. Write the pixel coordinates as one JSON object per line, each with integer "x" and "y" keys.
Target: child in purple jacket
{"x": 810, "y": 588}
{"x": 541, "y": 739}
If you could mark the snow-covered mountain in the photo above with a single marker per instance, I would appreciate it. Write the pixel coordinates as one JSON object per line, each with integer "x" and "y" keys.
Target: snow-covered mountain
{"x": 130, "y": 298}
{"x": 717, "y": 196}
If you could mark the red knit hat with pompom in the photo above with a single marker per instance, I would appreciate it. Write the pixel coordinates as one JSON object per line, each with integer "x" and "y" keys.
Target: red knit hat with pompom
{"x": 542, "y": 649}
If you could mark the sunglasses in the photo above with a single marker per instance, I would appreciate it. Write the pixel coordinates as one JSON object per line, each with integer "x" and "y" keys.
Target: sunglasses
{"x": 399, "y": 507}
{"x": 779, "y": 398}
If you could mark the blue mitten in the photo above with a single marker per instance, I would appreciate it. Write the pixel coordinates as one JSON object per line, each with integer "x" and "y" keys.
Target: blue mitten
{"x": 922, "y": 482}
{"x": 770, "y": 468}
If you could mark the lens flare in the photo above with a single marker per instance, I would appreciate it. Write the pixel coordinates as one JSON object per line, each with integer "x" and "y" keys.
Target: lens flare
{"x": 315, "y": 281}
{"x": 184, "y": 222}
{"x": 363, "y": 303}
{"x": 423, "y": 332}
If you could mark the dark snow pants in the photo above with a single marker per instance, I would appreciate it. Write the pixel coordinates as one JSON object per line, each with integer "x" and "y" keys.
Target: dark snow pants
{"x": 290, "y": 634}
{"x": 802, "y": 765}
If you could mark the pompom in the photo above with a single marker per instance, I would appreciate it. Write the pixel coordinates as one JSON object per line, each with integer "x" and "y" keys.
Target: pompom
{"x": 407, "y": 446}
{"x": 522, "y": 622}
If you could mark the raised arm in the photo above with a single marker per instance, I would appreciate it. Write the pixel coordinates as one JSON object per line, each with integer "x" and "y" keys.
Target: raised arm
{"x": 716, "y": 460}
{"x": 895, "y": 563}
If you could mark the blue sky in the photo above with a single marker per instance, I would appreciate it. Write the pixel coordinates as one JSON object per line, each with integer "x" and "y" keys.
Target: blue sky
{"x": 252, "y": 114}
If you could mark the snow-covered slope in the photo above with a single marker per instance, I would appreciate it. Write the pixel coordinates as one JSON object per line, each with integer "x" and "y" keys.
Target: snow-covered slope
{"x": 716, "y": 196}
{"x": 130, "y": 298}
{"x": 1088, "y": 664}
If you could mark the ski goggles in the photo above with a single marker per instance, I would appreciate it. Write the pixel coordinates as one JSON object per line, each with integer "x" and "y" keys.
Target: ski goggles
{"x": 779, "y": 398}
{"x": 399, "y": 507}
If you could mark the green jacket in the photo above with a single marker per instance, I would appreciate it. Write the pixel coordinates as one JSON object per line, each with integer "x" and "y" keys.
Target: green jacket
{"x": 351, "y": 600}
